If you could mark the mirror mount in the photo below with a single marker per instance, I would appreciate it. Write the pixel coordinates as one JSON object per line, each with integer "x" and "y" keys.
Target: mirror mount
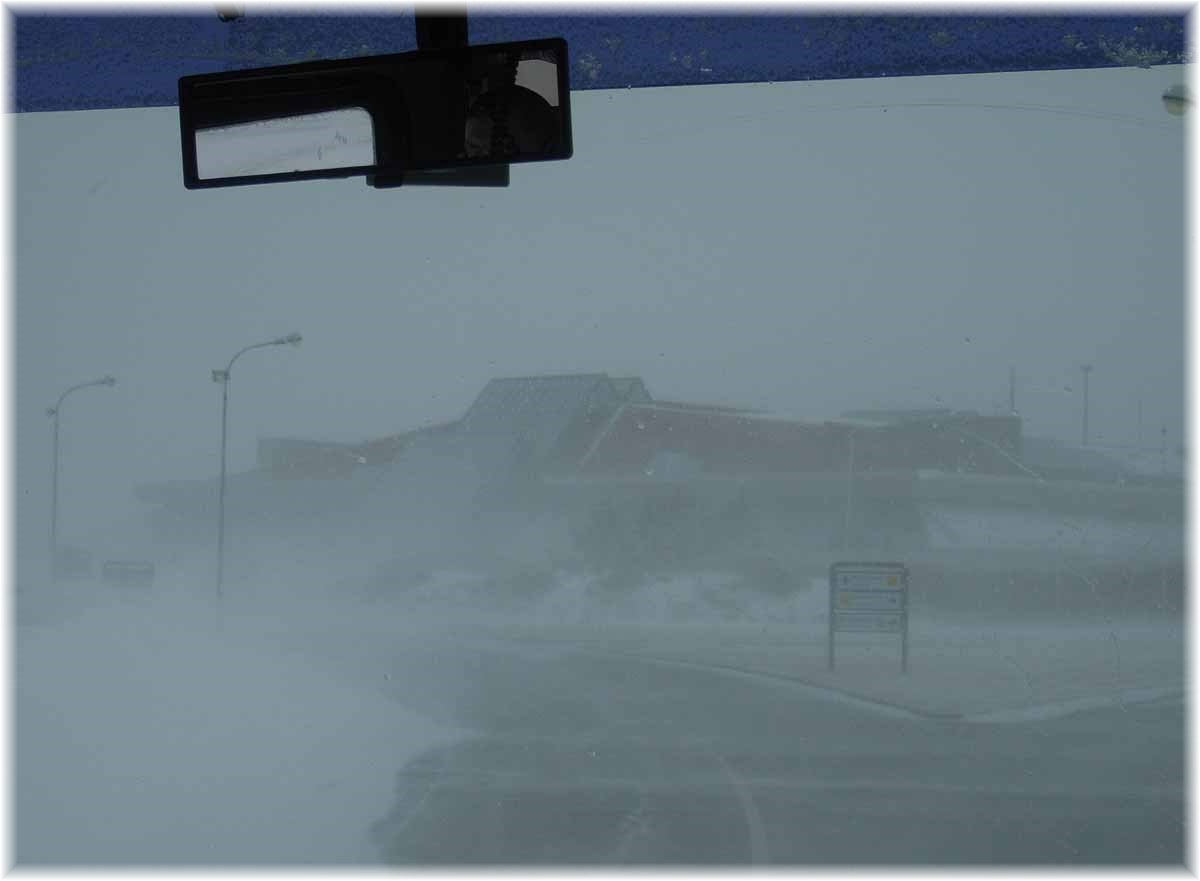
{"x": 482, "y": 176}
{"x": 444, "y": 29}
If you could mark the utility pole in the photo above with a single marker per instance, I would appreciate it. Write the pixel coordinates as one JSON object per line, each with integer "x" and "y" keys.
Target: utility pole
{"x": 1087, "y": 370}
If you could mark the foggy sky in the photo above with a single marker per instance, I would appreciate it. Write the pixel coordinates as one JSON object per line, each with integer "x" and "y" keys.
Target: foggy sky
{"x": 792, "y": 246}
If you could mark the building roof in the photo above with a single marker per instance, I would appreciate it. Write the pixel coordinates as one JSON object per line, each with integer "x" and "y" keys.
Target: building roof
{"x": 1045, "y": 454}
{"x": 922, "y": 414}
{"x": 537, "y": 409}
{"x": 632, "y": 389}
{"x": 712, "y": 408}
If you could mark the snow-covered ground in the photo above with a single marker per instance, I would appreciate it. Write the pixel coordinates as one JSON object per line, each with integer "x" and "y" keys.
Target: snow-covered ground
{"x": 574, "y": 599}
{"x": 147, "y": 735}
{"x": 956, "y": 527}
{"x": 150, "y": 732}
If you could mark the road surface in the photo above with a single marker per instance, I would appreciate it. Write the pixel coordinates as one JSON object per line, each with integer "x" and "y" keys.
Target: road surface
{"x": 582, "y": 758}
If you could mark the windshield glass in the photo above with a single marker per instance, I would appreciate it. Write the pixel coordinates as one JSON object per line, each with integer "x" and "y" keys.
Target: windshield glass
{"x": 795, "y": 475}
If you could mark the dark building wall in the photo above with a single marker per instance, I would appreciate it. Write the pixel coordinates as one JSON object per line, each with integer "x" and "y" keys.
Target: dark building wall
{"x": 718, "y": 440}
{"x": 725, "y": 439}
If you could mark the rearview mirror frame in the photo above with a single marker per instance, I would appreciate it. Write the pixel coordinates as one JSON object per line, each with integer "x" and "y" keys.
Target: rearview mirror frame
{"x": 418, "y": 102}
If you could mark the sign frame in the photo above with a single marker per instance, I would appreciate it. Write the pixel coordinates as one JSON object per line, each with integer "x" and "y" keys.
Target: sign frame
{"x": 878, "y": 583}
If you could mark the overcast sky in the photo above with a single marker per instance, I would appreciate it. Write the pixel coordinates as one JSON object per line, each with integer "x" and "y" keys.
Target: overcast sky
{"x": 802, "y": 247}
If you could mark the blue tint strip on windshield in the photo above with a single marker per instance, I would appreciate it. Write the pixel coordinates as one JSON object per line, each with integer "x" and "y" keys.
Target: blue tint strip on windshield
{"x": 66, "y": 62}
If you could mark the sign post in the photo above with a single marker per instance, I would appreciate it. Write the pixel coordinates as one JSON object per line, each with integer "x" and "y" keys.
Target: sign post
{"x": 868, "y": 598}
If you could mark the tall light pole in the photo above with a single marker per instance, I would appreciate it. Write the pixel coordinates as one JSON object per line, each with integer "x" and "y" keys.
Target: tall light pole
{"x": 1139, "y": 434}
{"x": 1087, "y": 372}
{"x": 53, "y": 413}
{"x": 849, "y": 490}
{"x": 222, "y": 376}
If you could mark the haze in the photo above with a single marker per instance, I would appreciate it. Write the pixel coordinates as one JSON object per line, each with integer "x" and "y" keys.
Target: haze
{"x": 743, "y": 246}
{"x": 634, "y": 657}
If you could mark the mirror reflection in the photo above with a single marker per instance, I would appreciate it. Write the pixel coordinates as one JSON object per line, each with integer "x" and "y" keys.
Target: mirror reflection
{"x": 514, "y": 111}
{"x": 337, "y": 139}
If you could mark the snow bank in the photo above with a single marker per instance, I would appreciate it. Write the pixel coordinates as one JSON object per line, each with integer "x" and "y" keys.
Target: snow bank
{"x": 565, "y": 598}
{"x": 954, "y": 528}
{"x": 146, "y": 735}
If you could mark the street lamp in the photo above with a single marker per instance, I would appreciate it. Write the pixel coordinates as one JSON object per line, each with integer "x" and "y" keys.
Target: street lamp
{"x": 53, "y": 413}
{"x": 222, "y": 376}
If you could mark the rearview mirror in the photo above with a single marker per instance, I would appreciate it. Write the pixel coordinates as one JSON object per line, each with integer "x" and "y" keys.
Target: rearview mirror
{"x": 424, "y": 111}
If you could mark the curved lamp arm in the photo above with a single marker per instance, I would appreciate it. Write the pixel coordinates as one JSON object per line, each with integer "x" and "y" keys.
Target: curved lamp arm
{"x": 104, "y": 380}
{"x": 292, "y": 339}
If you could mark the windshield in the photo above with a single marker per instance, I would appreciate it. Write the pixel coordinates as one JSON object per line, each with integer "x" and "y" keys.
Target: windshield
{"x": 793, "y": 476}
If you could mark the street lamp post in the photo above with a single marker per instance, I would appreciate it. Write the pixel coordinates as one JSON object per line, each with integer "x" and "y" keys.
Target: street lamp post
{"x": 1087, "y": 370}
{"x": 53, "y": 413}
{"x": 222, "y": 376}
{"x": 849, "y": 490}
